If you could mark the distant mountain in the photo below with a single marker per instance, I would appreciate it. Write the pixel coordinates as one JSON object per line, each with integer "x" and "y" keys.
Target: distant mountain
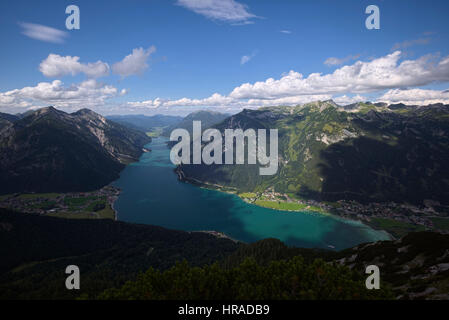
{"x": 358, "y": 106}
{"x": 373, "y": 154}
{"x": 7, "y": 120}
{"x": 52, "y": 151}
{"x": 145, "y": 123}
{"x": 9, "y": 117}
{"x": 207, "y": 118}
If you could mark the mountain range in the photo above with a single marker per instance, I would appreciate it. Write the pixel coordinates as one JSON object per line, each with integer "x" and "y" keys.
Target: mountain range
{"x": 207, "y": 118}
{"x": 145, "y": 123}
{"x": 364, "y": 152}
{"x": 49, "y": 150}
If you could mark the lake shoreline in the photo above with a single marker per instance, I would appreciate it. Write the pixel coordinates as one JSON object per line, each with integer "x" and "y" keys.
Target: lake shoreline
{"x": 233, "y": 191}
{"x": 151, "y": 186}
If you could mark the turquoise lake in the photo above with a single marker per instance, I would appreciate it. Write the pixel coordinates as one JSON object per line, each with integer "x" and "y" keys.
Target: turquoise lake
{"x": 152, "y": 194}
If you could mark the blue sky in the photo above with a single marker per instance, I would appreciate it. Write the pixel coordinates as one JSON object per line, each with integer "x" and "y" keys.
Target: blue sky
{"x": 220, "y": 54}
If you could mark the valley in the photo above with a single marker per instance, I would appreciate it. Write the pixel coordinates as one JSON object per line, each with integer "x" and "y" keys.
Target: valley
{"x": 329, "y": 153}
{"x": 355, "y": 162}
{"x": 224, "y": 158}
{"x": 342, "y": 125}
{"x": 151, "y": 193}
{"x": 231, "y": 204}
{"x": 397, "y": 219}
{"x": 97, "y": 204}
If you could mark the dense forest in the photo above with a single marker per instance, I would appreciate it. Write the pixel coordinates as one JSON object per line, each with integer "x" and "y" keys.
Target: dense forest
{"x": 291, "y": 279}
{"x": 119, "y": 260}
{"x": 35, "y": 251}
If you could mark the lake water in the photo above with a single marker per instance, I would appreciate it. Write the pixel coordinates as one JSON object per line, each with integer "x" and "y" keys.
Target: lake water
{"x": 152, "y": 194}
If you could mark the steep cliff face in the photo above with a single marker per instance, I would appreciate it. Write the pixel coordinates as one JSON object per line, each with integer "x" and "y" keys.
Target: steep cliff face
{"x": 122, "y": 143}
{"x": 53, "y": 151}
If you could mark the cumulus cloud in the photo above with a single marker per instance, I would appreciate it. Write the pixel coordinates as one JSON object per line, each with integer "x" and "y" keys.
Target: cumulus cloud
{"x": 43, "y": 33}
{"x": 10, "y": 100}
{"x": 218, "y": 100}
{"x": 345, "y": 86}
{"x": 134, "y": 63}
{"x": 222, "y": 10}
{"x": 56, "y": 66}
{"x": 415, "y": 96}
{"x": 361, "y": 77}
{"x": 386, "y": 75}
{"x": 146, "y": 104}
{"x": 332, "y": 61}
{"x": 214, "y": 100}
{"x": 286, "y": 101}
{"x": 345, "y": 100}
{"x": 86, "y": 94}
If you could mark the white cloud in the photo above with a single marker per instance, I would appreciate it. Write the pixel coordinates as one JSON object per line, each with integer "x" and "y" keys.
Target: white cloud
{"x": 43, "y": 33}
{"x": 218, "y": 100}
{"x": 55, "y": 66}
{"x": 345, "y": 85}
{"x": 9, "y": 99}
{"x": 286, "y": 31}
{"x": 147, "y": 104}
{"x": 410, "y": 43}
{"x": 215, "y": 100}
{"x": 285, "y": 101}
{"x": 415, "y": 96}
{"x": 332, "y": 61}
{"x": 345, "y": 100}
{"x": 361, "y": 77}
{"x": 134, "y": 63}
{"x": 246, "y": 59}
{"x": 223, "y": 10}
{"x": 87, "y": 94}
